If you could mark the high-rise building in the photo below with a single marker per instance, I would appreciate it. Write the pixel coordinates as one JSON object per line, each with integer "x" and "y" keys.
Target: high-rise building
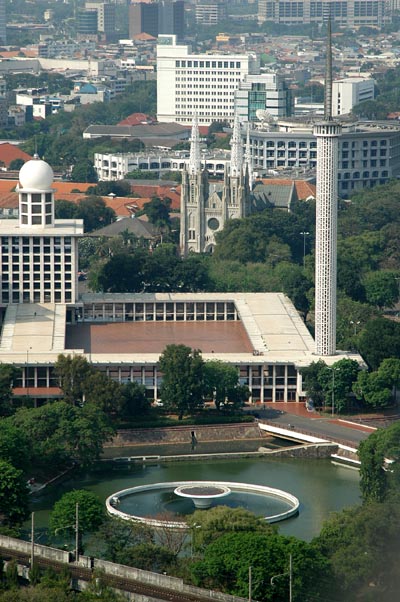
{"x": 105, "y": 18}
{"x": 204, "y": 84}
{"x": 157, "y": 18}
{"x": 327, "y": 133}
{"x": 3, "y": 22}
{"x": 266, "y": 92}
{"x": 210, "y": 12}
{"x": 86, "y": 25}
{"x": 346, "y": 13}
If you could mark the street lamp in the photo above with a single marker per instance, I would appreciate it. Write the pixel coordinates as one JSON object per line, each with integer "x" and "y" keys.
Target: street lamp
{"x": 355, "y": 324}
{"x": 75, "y": 526}
{"x": 304, "y": 234}
{"x": 290, "y": 573}
{"x": 333, "y": 388}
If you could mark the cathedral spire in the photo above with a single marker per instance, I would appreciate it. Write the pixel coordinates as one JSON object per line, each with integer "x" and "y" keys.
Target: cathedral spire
{"x": 237, "y": 148}
{"x": 328, "y": 74}
{"x": 248, "y": 162}
{"x": 194, "y": 166}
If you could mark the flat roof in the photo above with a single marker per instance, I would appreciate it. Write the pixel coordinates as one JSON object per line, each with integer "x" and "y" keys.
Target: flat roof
{"x": 270, "y": 330}
{"x": 153, "y": 337}
{"x": 62, "y": 227}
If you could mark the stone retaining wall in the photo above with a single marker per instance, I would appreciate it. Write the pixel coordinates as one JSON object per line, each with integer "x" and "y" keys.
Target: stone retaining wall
{"x": 183, "y": 434}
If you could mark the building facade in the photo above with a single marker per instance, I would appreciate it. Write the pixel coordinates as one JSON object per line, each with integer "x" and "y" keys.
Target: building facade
{"x": 3, "y": 22}
{"x": 210, "y": 13}
{"x": 369, "y": 153}
{"x": 39, "y": 254}
{"x": 157, "y": 18}
{"x": 346, "y": 13}
{"x": 105, "y": 18}
{"x": 348, "y": 92}
{"x": 266, "y": 93}
{"x": 204, "y": 84}
{"x": 205, "y": 208}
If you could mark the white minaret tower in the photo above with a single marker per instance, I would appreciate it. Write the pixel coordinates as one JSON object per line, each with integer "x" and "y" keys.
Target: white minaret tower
{"x": 327, "y": 133}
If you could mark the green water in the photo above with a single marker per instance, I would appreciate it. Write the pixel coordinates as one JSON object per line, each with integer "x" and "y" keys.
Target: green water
{"x": 320, "y": 486}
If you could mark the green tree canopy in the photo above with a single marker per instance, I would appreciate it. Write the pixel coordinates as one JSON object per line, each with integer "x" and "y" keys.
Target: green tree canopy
{"x": 221, "y": 384}
{"x": 91, "y": 513}
{"x": 226, "y": 561}
{"x": 182, "y": 385}
{"x": 14, "y": 505}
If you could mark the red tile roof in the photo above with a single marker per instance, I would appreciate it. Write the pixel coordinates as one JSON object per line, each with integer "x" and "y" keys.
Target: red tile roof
{"x": 303, "y": 189}
{"x": 136, "y": 119}
{"x": 9, "y": 152}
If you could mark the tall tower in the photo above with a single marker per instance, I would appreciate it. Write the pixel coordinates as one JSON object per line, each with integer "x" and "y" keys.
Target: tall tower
{"x": 193, "y": 192}
{"x": 327, "y": 133}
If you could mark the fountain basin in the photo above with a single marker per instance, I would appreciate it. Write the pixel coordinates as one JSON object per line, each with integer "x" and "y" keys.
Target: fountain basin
{"x": 290, "y": 502}
{"x": 202, "y": 494}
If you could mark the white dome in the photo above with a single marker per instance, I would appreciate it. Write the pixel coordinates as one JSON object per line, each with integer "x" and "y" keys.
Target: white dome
{"x": 36, "y": 174}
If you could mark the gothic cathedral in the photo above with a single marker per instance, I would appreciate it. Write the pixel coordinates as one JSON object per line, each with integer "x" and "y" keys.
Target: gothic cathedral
{"x": 205, "y": 206}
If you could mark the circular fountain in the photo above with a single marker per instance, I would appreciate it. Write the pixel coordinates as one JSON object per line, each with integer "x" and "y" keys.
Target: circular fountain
{"x": 134, "y": 504}
{"x": 202, "y": 494}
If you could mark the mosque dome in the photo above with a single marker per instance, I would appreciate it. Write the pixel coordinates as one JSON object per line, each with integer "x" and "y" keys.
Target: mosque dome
{"x": 36, "y": 174}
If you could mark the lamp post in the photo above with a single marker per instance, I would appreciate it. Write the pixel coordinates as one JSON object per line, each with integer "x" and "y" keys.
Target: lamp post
{"x": 290, "y": 573}
{"x": 75, "y": 526}
{"x": 304, "y": 234}
{"x": 355, "y": 324}
{"x": 333, "y": 388}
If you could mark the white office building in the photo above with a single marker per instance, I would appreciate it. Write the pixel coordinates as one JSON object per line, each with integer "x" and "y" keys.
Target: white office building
{"x": 369, "y": 153}
{"x": 346, "y": 93}
{"x": 38, "y": 253}
{"x": 202, "y": 84}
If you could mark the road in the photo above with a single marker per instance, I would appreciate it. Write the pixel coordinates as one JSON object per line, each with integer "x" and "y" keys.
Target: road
{"x": 323, "y": 427}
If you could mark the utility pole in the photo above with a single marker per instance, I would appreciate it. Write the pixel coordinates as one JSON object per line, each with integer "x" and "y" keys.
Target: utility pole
{"x": 32, "y": 538}
{"x": 290, "y": 578}
{"x": 250, "y": 584}
{"x": 76, "y": 532}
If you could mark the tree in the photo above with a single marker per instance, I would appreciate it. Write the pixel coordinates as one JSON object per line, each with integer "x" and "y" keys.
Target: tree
{"x": 373, "y": 389}
{"x": 182, "y": 385}
{"x": 362, "y": 547}
{"x": 95, "y": 213}
{"x": 148, "y": 557}
{"x": 226, "y": 561}
{"x": 379, "y": 340}
{"x": 119, "y": 535}
{"x": 84, "y": 172}
{"x": 134, "y": 403}
{"x": 14, "y": 504}
{"x": 59, "y": 433}
{"x": 65, "y": 209}
{"x": 381, "y": 288}
{"x": 91, "y": 514}
{"x": 157, "y": 210}
{"x": 376, "y": 482}
{"x": 8, "y": 375}
{"x": 72, "y": 373}
{"x": 338, "y": 386}
{"x": 222, "y": 385}
{"x": 15, "y": 446}
{"x": 208, "y": 526}
{"x": 373, "y": 482}
{"x": 312, "y": 382}
{"x": 16, "y": 164}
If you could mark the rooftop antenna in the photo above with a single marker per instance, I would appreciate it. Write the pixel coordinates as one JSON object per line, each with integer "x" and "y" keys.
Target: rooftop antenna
{"x": 328, "y": 74}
